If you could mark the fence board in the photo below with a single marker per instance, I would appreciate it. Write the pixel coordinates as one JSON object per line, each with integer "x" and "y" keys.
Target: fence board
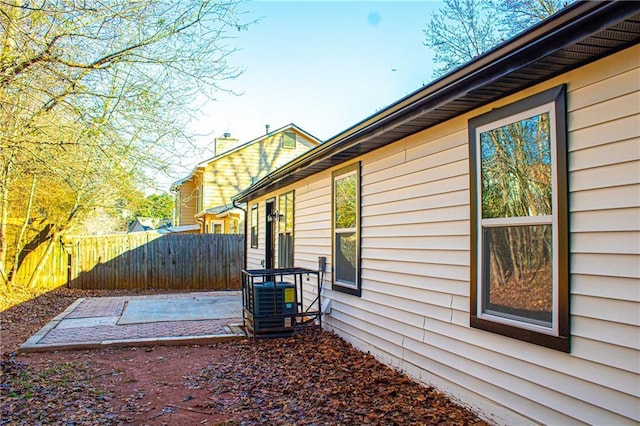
{"x": 54, "y": 272}
{"x": 141, "y": 260}
{"x": 150, "y": 260}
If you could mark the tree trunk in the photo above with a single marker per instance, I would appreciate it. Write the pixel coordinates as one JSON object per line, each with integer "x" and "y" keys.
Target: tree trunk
{"x": 496, "y": 266}
{"x": 54, "y": 238}
{"x": 18, "y": 245}
{"x": 4, "y": 216}
{"x": 43, "y": 260}
{"x": 515, "y": 255}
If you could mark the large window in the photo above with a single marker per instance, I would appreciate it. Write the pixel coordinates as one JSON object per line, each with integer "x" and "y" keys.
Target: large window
{"x": 285, "y": 230}
{"x": 346, "y": 229}
{"x": 254, "y": 226}
{"x": 519, "y": 233}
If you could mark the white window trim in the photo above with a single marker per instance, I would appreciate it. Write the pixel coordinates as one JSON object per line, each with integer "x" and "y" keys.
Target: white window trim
{"x": 531, "y": 220}
{"x": 255, "y": 222}
{"x": 213, "y": 224}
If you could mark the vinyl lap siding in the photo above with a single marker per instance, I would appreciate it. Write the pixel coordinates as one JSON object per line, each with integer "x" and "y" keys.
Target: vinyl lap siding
{"x": 605, "y": 217}
{"x": 312, "y": 231}
{"x": 312, "y": 224}
{"x": 414, "y": 309}
{"x": 187, "y": 203}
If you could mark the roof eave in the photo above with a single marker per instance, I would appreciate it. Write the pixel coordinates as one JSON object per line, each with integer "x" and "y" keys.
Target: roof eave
{"x": 566, "y": 28}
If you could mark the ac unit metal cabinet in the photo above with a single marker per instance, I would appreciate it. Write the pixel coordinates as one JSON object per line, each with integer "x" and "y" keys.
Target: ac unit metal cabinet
{"x": 272, "y": 303}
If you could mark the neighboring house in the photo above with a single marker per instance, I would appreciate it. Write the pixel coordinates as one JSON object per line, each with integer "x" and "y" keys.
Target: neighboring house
{"x": 204, "y": 197}
{"x": 142, "y": 224}
{"x": 482, "y": 234}
{"x": 99, "y": 221}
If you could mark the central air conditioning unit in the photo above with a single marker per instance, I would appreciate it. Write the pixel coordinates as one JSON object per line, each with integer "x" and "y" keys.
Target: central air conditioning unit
{"x": 273, "y": 302}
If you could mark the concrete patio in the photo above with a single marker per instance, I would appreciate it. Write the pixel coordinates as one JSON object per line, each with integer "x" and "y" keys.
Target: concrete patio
{"x": 167, "y": 319}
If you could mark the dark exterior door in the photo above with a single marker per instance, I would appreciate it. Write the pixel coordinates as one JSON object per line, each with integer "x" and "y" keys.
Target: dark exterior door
{"x": 270, "y": 234}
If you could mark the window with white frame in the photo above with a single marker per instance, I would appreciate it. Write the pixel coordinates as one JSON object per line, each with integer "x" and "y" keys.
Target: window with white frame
{"x": 217, "y": 227}
{"x": 519, "y": 220}
{"x": 254, "y": 226}
{"x": 346, "y": 229}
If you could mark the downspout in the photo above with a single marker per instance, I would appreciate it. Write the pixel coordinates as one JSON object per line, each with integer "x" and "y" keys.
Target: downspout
{"x": 244, "y": 266}
{"x": 201, "y": 222}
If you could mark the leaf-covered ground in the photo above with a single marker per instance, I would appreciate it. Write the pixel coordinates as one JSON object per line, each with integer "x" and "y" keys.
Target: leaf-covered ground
{"x": 317, "y": 378}
{"x": 314, "y": 378}
{"x": 60, "y": 393}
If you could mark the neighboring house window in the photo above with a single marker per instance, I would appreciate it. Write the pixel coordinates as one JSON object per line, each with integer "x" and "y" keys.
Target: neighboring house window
{"x": 254, "y": 226}
{"x": 289, "y": 140}
{"x": 217, "y": 228}
{"x": 285, "y": 230}
{"x": 346, "y": 229}
{"x": 519, "y": 220}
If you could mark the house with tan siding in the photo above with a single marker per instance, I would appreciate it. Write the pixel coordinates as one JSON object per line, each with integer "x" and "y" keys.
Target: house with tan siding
{"x": 482, "y": 234}
{"x": 204, "y": 197}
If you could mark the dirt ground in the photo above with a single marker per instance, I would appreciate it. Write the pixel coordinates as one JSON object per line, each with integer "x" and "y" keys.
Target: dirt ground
{"x": 310, "y": 378}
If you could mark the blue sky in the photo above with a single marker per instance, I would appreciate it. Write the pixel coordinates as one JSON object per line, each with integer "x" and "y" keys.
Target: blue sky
{"x": 322, "y": 65}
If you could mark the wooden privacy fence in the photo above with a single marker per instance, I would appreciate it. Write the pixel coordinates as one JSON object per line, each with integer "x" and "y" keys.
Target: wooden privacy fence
{"x": 152, "y": 260}
{"x": 54, "y": 272}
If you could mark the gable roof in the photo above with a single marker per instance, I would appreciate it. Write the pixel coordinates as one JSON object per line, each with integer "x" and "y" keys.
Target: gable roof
{"x": 204, "y": 163}
{"x": 579, "y": 34}
{"x": 141, "y": 223}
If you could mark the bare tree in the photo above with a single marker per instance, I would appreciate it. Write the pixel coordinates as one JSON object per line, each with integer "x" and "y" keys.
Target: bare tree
{"x": 464, "y": 29}
{"x": 93, "y": 94}
{"x": 518, "y": 15}
{"x": 460, "y": 31}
